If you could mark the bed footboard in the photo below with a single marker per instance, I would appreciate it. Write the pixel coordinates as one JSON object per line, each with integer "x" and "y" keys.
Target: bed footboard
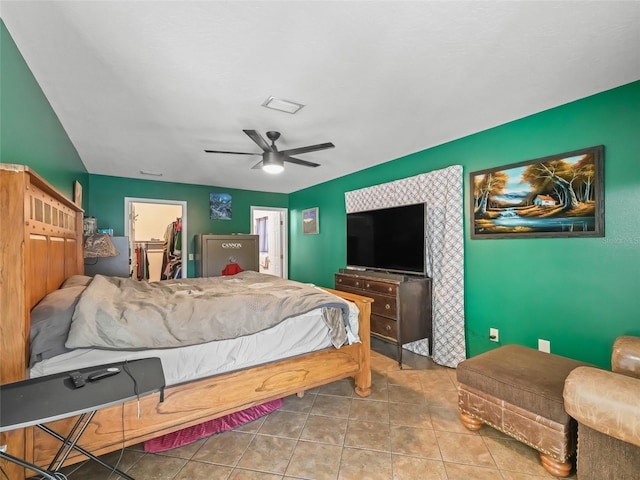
{"x": 363, "y": 377}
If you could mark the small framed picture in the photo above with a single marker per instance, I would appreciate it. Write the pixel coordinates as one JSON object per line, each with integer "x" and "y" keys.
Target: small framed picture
{"x": 310, "y": 221}
{"x": 220, "y": 206}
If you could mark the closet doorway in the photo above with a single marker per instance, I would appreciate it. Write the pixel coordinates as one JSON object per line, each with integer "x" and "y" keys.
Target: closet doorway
{"x": 271, "y": 225}
{"x": 149, "y": 223}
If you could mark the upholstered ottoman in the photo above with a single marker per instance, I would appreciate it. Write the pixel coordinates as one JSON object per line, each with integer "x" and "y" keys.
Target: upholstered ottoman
{"x": 518, "y": 390}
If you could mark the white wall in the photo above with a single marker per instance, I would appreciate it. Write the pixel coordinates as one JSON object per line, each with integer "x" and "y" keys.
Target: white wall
{"x": 152, "y": 220}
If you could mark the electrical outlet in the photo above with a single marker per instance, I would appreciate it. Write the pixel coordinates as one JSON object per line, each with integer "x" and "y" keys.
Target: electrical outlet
{"x": 544, "y": 345}
{"x": 494, "y": 335}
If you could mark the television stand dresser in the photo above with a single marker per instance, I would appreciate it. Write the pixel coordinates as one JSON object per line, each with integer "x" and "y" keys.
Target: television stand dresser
{"x": 401, "y": 311}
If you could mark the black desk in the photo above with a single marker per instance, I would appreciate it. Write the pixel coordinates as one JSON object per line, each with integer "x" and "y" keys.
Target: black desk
{"x": 41, "y": 400}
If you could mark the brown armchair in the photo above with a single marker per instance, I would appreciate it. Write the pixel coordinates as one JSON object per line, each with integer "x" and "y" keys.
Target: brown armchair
{"x": 606, "y": 406}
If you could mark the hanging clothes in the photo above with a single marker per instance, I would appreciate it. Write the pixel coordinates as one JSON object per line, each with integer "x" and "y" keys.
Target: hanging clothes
{"x": 172, "y": 255}
{"x": 177, "y": 241}
{"x": 142, "y": 262}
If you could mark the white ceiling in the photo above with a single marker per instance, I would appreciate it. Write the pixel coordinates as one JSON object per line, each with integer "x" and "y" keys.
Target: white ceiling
{"x": 148, "y": 85}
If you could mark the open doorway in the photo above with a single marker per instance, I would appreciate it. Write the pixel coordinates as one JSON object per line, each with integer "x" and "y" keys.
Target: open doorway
{"x": 271, "y": 225}
{"x": 157, "y": 235}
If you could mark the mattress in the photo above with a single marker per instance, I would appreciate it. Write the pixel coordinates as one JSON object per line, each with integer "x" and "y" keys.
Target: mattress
{"x": 294, "y": 336}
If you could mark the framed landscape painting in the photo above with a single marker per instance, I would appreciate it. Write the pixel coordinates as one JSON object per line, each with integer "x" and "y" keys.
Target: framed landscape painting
{"x": 557, "y": 196}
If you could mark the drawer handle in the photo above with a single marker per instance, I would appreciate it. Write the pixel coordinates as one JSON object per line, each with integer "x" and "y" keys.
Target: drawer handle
{"x": 390, "y": 289}
{"x": 387, "y": 306}
{"x": 388, "y": 328}
{"x": 357, "y": 284}
{"x": 339, "y": 280}
{"x": 368, "y": 285}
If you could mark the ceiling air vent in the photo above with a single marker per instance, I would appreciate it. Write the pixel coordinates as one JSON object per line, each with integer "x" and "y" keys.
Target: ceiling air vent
{"x": 282, "y": 105}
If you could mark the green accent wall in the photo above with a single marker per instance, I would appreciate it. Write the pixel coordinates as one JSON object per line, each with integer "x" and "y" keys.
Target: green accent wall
{"x": 107, "y": 194}
{"x": 30, "y": 131}
{"x": 578, "y": 293}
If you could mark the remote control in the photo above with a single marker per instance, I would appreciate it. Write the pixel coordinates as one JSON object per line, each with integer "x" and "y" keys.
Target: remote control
{"x": 77, "y": 379}
{"x": 103, "y": 374}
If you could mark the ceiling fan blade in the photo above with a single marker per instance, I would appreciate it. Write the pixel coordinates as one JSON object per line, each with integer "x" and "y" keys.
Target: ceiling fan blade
{"x": 310, "y": 148}
{"x": 257, "y": 165}
{"x": 256, "y": 137}
{"x": 234, "y": 153}
{"x": 297, "y": 161}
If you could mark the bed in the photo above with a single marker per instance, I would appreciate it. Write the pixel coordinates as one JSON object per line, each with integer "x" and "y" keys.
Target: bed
{"x": 41, "y": 247}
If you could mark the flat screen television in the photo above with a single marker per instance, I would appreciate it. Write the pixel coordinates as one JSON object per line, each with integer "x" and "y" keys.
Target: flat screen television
{"x": 389, "y": 239}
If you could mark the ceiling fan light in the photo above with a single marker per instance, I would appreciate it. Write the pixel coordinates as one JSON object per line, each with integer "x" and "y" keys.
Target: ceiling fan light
{"x": 273, "y": 169}
{"x": 272, "y": 163}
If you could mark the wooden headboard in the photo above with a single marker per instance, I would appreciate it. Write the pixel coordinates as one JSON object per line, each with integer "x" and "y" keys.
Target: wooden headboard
{"x": 40, "y": 247}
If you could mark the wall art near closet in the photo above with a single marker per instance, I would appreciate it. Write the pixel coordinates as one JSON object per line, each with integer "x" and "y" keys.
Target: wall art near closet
{"x": 556, "y": 196}
{"x": 220, "y": 206}
{"x": 310, "y": 221}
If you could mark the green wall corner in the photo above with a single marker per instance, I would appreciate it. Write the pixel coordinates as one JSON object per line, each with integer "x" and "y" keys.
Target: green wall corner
{"x": 578, "y": 293}
{"x": 107, "y": 194}
{"x": 30, "y": 131}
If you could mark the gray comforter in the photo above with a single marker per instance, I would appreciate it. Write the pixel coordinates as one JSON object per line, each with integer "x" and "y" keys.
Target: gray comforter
{"x": 120, "y": 313}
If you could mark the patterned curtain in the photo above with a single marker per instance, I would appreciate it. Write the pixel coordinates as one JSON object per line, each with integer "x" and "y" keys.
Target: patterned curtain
{"x": 441, "y": 191}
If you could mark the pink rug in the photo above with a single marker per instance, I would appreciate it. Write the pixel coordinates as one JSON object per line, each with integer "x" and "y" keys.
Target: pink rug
{"x": 228, "y": 422}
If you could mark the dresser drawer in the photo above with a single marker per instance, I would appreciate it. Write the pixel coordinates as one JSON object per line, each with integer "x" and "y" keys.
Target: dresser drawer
{"x": 349, "y": 281}
{"x": 401, "y": 304}
{"x": 383, "y": 305}
{"x": 381, "y": 287}
{"x": 385, "y": 327}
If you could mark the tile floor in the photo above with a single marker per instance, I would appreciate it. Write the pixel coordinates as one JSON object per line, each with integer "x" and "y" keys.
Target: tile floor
{"x": 408, "y": 429}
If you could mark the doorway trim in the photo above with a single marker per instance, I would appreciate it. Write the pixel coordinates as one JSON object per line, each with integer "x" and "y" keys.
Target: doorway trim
{"x": 284, "y": 233}
{"x": 157, "y": 201}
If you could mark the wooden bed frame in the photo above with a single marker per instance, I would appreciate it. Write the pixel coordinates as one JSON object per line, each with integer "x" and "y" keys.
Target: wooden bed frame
{"x": 40, "y": 247}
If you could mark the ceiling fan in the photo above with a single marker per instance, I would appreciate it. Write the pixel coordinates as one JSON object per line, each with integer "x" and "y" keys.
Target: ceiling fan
{"x": 273, "y": 159}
